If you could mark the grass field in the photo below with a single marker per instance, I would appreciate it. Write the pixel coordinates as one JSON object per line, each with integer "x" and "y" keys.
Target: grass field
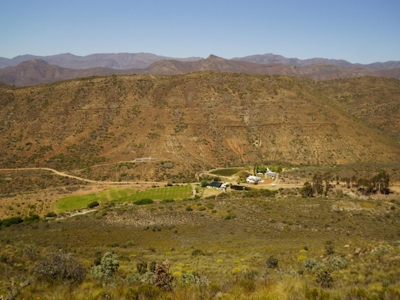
{"x": 123, "y": 195}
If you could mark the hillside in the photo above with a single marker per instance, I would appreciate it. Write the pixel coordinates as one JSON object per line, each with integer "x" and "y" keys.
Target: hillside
{"x": 374, "y": 101}
{"x": 187, "y": 122}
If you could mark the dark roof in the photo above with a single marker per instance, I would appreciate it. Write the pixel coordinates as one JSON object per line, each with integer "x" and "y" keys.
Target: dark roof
{"x": 216, "y": 184}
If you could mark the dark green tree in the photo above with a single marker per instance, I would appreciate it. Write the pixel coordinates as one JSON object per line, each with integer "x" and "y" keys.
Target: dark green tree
{"x": 307, "y": 190}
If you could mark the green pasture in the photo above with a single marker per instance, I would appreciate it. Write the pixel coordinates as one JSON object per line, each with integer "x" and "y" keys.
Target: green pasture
{"x": 122, "y": 195}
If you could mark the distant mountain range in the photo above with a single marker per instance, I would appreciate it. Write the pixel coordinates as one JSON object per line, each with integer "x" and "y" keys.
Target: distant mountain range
{"x": 38, "y": 71}
{"x": 118, "y": 61}
{"x": 270, "y": 58}
{"x": 125, "y": 61}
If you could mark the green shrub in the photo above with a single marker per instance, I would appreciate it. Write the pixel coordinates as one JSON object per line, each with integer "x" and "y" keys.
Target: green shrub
{"x": 248, "y": 285}
{"x": 147, "y": 277}
{"x": 11, "y": 221}
{"x": 309, "y": 263}
{"x": 32, "y": 218}
{"x": 51, "y": 215}
{"x": 141, "y": 267}
{"x": 329, "y": 247}
{"x": 132, "y": 278}
{"x": 167, "y": 200}
{"x": 204, "y": 183}
{"x": 250, "y": 275}
{"x": 93, "y": 204}
{"x": 337, "y": 263}
{"x": 143, "y": 201}
{"x": 272, "y": 262}
{"x": 108, "y": 265}
{"x": 324, "y": 279}
{"x": 197, "y": 252}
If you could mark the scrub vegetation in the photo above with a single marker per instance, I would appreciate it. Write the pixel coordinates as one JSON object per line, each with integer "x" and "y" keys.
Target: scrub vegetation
{"x": 235, "y": 245}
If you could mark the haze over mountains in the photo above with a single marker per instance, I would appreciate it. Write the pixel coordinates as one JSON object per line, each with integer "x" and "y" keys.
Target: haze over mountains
{"x": 125, "y": 61}
{"x": 38, "y": 71}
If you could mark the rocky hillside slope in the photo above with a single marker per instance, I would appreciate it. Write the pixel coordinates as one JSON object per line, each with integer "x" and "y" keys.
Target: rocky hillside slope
{"x": 200, "y": 120}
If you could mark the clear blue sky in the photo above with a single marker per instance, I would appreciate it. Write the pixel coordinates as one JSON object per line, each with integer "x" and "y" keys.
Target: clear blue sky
{"x": 362, "y": 31}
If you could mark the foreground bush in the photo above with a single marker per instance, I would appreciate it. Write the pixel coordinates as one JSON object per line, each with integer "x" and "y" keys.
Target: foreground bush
{"x": 107, "y": 267}
{"x": 61, "y": 265}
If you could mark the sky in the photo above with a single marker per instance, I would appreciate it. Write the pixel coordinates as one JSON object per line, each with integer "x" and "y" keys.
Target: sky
{"x": 359, "y": 31}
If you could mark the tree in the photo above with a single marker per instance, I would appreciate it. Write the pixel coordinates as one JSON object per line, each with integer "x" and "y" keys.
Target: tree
{"x": 317, "y": 184}
{"x": 108, "y": 265}
{"x": 307, "y": 191}
{"x": 381, "y": 182}
{"x": 326, "y": 177}
{"x": 61, "y": 265}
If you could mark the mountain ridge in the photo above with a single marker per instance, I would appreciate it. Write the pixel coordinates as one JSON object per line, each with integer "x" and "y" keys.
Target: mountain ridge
{"x": 142, "y": 60}
{"x": 38, "y": 71}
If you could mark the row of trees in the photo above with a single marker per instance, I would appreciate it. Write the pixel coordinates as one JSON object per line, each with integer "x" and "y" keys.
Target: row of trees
{"x": 320, "y": 184}
{"x": 377, "y": 184}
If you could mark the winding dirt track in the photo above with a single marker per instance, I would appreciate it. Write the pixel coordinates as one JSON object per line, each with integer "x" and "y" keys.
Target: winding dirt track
{"x": 80, "y": 178}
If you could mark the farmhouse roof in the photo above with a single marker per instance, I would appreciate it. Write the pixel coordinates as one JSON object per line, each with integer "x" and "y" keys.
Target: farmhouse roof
{"x": 215, "y": 184}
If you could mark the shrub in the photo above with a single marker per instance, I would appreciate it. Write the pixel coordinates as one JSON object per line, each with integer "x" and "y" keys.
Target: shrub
{"x": 152, "y": 266}
{"x": 132, "y": 278}
{"x": 11, "y": 221}
{"x": 381, "y": 250}
{"x": 186, "y": 279}
{"x": 250, "y": 275}
{"x": 337, "y": 263}
{"x": 108, "y": 265}
{"x": 189, "y": 208}
{"x": 248, "y": 285}
{"x": 198, "y": 252}
{"x": 143, "y": 201}
{"x": 93, "y": 204}
{"x": 162, "y": 277}
{"x": 167, "y": 200}
{"x": 141, "y": 267}
{"x": 32, "y": 218}
{"x": 147, "y": 277}
{"x": 61, "y": 265}
{"x": 272, "y": 262}
{"x": 329, "y": 247}
{"x": 204, "y": 183}
{"x": 309, "y": 263}
{"x": 324, "y": 279}
{"x": 51, "y": 215}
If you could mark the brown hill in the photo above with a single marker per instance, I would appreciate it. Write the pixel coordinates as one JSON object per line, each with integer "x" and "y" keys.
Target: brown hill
{"x": 374, "y": 101}
{"x": 188, "y": 122}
